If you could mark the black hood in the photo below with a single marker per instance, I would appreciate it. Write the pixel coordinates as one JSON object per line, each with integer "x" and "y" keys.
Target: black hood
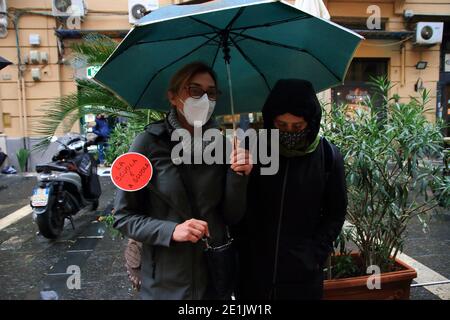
{"x": 297, "y": 97}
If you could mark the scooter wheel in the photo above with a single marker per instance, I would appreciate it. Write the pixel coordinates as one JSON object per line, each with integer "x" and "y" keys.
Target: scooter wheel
{"x": 50, "y": 222}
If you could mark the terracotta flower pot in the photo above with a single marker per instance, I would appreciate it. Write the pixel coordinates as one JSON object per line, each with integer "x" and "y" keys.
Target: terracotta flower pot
{"x": 393, "y": 286}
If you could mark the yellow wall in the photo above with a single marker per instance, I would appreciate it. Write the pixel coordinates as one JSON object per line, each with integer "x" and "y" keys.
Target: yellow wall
{"x": 393, "y": 12}
{"x": 57, "y": 79}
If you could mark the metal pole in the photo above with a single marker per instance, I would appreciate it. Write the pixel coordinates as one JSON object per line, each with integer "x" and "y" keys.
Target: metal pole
{"x": 230, "y": 86}
{"x": 227, "y": 58}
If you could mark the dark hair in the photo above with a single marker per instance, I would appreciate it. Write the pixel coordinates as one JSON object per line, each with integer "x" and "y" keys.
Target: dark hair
{"x": 185, "y": 74}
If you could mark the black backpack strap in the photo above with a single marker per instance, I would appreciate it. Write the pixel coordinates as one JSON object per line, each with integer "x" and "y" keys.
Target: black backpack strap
{"x": 329, "y": 156}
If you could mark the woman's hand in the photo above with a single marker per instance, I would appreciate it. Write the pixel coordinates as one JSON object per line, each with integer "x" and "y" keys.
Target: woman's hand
{"x": 191, "y": 230}
{"x": 241, "y": 161}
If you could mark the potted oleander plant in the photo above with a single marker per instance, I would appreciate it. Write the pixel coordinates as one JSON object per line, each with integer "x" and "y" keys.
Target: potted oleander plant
{"x": 394, "y": 174}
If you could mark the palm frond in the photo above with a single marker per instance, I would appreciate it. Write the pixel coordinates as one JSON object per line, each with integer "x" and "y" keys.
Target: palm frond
{"x": 95, "y": 48}
{"x": 90, "y": 98}
{"x": 65, "y": 111}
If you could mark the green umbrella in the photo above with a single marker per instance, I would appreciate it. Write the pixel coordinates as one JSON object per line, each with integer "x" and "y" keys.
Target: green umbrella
{"x": 249, "y": 43}
{"x": 4, "y": 63}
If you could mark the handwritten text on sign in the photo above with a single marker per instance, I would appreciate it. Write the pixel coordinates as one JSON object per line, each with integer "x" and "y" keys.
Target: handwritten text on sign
{"x": 131, "y": 171}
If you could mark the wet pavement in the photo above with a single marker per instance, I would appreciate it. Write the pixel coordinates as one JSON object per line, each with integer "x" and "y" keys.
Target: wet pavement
{"x": 15, "y": 191}
{"x": 32, "y": 267}
{"x": 431, "y": 248}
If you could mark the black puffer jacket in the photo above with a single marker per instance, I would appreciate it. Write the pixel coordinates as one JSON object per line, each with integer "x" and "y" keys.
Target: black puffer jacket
{"x": 295, "y": 215}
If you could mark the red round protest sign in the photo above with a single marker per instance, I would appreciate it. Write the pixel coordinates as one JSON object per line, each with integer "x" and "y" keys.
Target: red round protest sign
{"x": 131, "y": 171}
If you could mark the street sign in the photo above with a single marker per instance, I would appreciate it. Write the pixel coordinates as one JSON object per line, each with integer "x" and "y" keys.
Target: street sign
{"x": 91, "y": 71}
{"x": 131, "y": 171}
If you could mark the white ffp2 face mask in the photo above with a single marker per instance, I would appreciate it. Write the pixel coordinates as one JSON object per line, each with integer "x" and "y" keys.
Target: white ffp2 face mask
{"x": 197, "y": 111}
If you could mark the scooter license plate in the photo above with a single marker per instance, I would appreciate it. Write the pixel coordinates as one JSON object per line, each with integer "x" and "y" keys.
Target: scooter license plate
{"x": 40, "y": 197}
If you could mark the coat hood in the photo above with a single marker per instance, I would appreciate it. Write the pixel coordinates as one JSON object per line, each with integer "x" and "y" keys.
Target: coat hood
{"x": 295, "y": 96}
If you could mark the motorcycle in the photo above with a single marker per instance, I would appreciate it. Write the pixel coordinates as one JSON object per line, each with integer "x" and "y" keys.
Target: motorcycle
{"x": 65, "y": 186}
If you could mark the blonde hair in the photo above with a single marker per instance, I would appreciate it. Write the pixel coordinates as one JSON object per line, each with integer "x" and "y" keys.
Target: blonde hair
{"x": 185, "y": 74}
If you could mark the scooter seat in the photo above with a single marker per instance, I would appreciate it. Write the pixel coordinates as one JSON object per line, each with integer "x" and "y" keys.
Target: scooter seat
{"x": 50, "y": 167}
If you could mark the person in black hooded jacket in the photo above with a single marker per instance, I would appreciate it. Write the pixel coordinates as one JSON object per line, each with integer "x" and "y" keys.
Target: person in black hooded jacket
{"x": 295, "y": 215}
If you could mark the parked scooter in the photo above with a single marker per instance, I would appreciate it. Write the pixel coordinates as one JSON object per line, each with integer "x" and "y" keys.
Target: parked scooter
{"x": 65, "y": 186}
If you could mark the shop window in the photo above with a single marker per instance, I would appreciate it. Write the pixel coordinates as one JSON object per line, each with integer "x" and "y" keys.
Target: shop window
{"x": 357, "y": 88}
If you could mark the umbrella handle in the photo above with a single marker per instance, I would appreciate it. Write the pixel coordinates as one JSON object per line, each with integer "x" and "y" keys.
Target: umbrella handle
{"x": 235, "y": 146}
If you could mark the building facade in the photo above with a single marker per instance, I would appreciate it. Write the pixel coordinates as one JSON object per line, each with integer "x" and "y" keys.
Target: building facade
{"x": 37, "y": 43}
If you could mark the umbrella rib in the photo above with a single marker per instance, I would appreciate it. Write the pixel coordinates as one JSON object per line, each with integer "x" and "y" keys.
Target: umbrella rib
{"x": 238, "y": 14}
{"x": 271, "y": 24}
{"x": 206, "y": 24}
{"x": 215, "y": 56}
{"x": 247, "y": 58}
{"x": 269, "y": 42}
{"x": 169, "y": 65}
{"x": 212, "y": 39}
{"x": 175, "y": 39}
{"x": 276, "y": 44}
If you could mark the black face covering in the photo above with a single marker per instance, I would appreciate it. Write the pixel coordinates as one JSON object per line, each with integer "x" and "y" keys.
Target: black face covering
{"x": 294, "y": 140}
